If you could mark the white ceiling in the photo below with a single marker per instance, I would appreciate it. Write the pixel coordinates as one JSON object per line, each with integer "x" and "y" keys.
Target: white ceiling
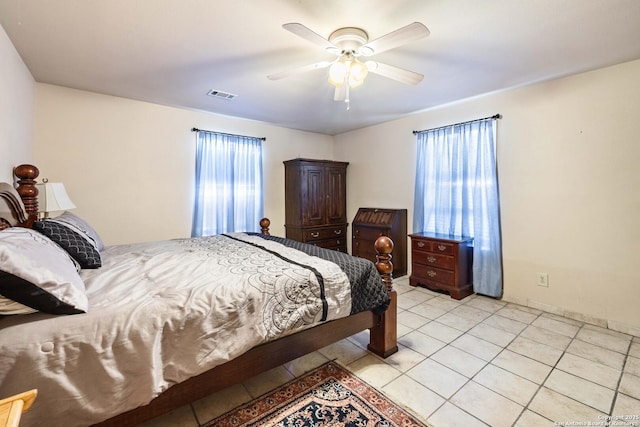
{"x": 173, "y": 52}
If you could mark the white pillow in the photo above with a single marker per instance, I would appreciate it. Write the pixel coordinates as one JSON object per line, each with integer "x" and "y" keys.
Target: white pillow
{"x": 37, "y": 273}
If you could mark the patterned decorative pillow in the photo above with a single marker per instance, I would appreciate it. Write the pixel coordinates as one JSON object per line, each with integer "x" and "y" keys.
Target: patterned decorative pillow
{"x": 37, "y": 273}
{"x": 72, "y": 240}
{"x": 83, "y": 226}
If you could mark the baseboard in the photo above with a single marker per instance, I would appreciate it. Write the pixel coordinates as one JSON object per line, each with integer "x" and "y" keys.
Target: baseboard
{"x": 581, "y": 317}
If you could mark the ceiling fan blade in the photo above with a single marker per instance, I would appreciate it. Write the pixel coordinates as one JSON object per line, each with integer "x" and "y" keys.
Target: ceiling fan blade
{"x": 307, "y": 34}
{"x": 299, "y": 70}
{"x": 395, "y": 73}
{"x": 395, "y": 38}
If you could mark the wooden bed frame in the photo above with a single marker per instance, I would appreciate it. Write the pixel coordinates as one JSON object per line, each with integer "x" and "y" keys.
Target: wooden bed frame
{"x": 382, "y": 339}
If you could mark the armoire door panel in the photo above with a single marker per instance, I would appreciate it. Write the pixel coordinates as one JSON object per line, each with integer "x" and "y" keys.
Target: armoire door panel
{"x": 336, "y": 195}
{"x": 315, "y": 197}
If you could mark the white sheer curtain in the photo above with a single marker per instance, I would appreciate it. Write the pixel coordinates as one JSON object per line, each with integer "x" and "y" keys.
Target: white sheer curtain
{"x": 228, "y": 194}
{"x": 456, "y": 192}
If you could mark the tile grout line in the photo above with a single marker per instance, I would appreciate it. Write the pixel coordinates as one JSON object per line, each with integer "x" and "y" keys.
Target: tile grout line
{"x": 446, "y": 400}
{"x": 503, "y": 348}
{"x": 541, "y": 385}
{"x": 617, "y": 390}
{"x": 468, "y": 379}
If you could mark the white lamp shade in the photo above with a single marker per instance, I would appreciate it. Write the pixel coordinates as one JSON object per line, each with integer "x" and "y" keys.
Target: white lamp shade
{"x": 53, "y": 197}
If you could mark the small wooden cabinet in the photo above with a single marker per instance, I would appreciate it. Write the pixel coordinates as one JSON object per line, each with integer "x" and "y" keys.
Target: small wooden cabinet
{"x": 442, "y": 262}
{"x": 371, "y": 223}
{"x": 316, "y": 202}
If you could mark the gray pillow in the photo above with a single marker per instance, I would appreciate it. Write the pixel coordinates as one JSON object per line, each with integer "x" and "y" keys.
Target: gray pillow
{"x": 37, "y": 273}
{"x": 81, "y": 225}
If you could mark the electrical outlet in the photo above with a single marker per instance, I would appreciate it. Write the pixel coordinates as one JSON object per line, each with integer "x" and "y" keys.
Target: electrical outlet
{"x": 543, "y": 280}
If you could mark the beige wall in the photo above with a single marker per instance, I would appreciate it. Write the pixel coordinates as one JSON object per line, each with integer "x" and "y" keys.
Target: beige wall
{"x": 568, "y": 155}
{"x": 17, "y": 99}
{"x": 129, "y": 165}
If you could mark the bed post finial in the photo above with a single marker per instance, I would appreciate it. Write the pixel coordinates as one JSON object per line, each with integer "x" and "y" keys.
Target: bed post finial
{"x": 384, "y": 247}
{"x": 383, "y": 338}
{"x": 27, "y": 190}
{"x": 264, "y": 226}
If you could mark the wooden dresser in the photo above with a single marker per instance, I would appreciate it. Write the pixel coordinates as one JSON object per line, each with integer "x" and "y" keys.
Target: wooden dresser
{"x": 371, "y": 223}
{"x": 442, "y": 262}
{"x": 316, "y": 202}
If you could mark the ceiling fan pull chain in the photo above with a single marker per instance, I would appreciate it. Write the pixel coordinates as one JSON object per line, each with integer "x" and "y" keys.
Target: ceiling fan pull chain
{"x": 347, "y": 94}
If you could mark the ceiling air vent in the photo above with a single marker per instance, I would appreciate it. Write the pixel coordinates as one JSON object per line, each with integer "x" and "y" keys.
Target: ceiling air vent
{"x": 221, "y": 94}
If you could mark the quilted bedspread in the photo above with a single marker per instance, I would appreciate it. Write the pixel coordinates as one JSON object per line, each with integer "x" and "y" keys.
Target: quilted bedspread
{"x": 162, "y": 312}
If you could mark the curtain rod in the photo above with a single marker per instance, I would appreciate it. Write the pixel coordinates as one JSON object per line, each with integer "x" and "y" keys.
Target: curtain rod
{"x": 495, "y": 117}
{"x": 229, "y": 134}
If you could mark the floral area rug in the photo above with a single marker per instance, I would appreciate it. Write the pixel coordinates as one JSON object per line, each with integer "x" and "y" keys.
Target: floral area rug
{"x": 327, "y": 396}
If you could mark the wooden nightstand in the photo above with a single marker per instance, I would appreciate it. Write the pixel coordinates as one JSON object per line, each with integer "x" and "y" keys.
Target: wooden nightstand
{"x": 442, "y": 262}
{"x": 11, "y": 408}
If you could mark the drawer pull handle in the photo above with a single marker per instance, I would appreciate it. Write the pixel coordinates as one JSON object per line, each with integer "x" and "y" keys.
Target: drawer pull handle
{"x": 431, "y": 259}
{"x": 431, "y": 273}
{"x": 315, "y": 234}
{"x": 442, "y": 247}
{"x": 421, "y": 244}
{"x": 337, "y": 231}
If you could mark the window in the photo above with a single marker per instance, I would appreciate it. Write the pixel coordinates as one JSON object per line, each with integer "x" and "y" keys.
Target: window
{"x": 456, "y": 192}
{"x": 228, "y": 194}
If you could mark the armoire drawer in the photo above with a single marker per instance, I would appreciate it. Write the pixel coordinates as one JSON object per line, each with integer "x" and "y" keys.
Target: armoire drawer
{"x": 315, "y": 234}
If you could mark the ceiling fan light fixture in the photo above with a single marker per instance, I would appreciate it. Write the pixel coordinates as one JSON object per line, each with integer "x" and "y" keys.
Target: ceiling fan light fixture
{"x": 337, "y": 73}
{"x": 351, "y": 71}
{"x": 349, "y": 44}
{"x": 357, "y": 73}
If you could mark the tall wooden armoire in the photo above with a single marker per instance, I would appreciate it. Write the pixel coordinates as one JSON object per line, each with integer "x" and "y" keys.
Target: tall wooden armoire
{"x": 371, "y": 223}
{"x": 315, "y": 194}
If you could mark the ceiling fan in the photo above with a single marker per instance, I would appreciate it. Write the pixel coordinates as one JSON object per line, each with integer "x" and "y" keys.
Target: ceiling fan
{"x": 349, "y": 44}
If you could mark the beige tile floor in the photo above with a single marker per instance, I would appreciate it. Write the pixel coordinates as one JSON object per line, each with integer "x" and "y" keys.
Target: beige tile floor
{"x": 474, "y": 362}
